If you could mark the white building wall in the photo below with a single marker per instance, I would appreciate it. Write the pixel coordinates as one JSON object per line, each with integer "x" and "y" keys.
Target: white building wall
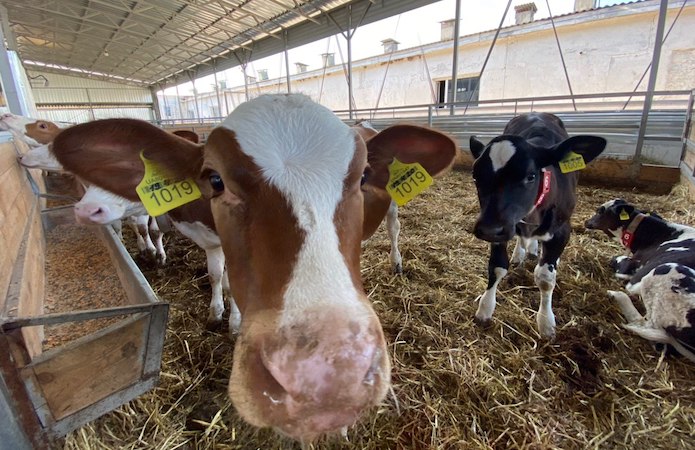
{"x": 605, "y": 50}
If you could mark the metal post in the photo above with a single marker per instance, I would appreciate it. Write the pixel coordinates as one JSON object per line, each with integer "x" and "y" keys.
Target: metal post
{"x": 349, "y": 62}
{"x": 562, "y": 58}
{"x": 455, "y": 61}
{"x": 166, "y": 103}
{"x": 658, "y": 39}
{"x": 9, "y": 83}
{"x": 156, "y": 112}
{"x": 287, "y": 65}
{"x": 217, "y": 88}
{"x": 686, "y": 125}
{"x": 89, "y": 102}
{"x": 195, "y": 98}
{"x": 246, "y": 82}
{"x": 178, "y": 101}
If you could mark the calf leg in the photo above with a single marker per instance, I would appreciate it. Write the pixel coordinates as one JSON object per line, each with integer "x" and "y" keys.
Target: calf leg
{"x": 393, "y": 228}
{"x": 234, "y": 313}
{"x": 215, "y": 260}
{"x": 624, "y": 267}
{"x": 159, "y": 241}
{"x": 545, "y": 275}
{"x": 141, "y": 229}
{"x": 522, "y": 247}
{"x": 626, "y": 307}
{"x": 497, "y": 267}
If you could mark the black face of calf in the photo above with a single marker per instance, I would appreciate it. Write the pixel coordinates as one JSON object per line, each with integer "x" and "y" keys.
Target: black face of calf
{"x": 508, "y": 176}
{"x": 612, "y": 217}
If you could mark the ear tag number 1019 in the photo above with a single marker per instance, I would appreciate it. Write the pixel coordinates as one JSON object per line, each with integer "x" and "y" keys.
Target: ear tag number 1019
{"x": 161, "y": 194}
{"x": 406, "y": 181}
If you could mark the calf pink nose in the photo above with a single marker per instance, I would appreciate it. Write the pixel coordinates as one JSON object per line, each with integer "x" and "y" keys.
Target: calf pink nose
{"x": 323, "y": 382}
{"x": 90, "y": 213}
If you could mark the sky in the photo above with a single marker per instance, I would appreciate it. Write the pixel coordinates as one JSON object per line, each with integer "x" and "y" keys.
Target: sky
{"x": 411, "y": 29}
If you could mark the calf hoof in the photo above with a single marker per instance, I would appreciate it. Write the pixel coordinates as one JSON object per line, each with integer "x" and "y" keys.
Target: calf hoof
{"x": 398, "y": 269}
{"x": 161, "y": 260}
{"x": 213, "y": 324}
{"x": 234, "y": 326}
{"x": 484, "y": 323}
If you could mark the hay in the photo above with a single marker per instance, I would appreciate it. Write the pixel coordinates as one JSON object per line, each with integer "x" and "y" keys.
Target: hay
{"x": 456, "y": 385}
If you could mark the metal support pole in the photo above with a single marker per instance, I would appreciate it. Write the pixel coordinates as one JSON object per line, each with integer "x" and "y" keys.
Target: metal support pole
{"x": 195, "y": 97}
{"x": 156, "y": 112}
{"x": 455, "y": 59}
{"x": 9, "y": 83}
{"x": 349, "y": 61}
{"x": 178, "y": 101}
{"x": 167, "y": 109}
{"x": 658, "y": 39}
{"x": 489, "y": 51}
{"x": 287, "y": 64}
{"x": 217, "y": 89}
{"x": 562, "y": 58}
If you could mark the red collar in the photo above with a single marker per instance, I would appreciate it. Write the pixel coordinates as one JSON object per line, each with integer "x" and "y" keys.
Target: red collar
{"x": 629, "y": 232}
{"x": 544, "y": 188}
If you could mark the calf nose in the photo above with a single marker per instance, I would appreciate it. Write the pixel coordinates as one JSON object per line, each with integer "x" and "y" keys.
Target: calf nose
{"x": 319, "y": 378}
{"x": 491, "y": 233}
{"x": 90, "y": 213}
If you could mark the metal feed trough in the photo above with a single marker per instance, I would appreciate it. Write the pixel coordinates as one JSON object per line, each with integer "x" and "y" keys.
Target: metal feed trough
{"x": 46, "y": 395}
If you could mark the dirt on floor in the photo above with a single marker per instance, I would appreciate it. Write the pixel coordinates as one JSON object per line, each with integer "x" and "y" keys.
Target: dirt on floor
{"x": 455, "y": 385}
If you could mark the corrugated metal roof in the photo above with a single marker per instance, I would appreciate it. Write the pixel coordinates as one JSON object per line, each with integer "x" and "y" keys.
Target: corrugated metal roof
{"x": 144, "y": 42}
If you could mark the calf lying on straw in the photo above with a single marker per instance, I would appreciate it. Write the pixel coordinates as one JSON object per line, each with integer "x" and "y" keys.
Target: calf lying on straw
{"x": 661, "y": 271}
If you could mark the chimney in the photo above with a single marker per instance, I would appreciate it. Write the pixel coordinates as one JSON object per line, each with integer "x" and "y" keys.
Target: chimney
{"x": 301, "y": 67}
{"x": 525, "y": 12}
{"x": 390, "y": 45}
{"x": 262, "y": 74}
{"x": 448, "y": 29}
{"x": 328, "y": 59}
{"x": 584, "y": 5}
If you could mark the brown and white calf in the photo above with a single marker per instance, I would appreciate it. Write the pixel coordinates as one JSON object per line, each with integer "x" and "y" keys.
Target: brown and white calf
{"x": 284, "y": 179}
{"x": 39, "y": 134}
{"x": 522, "y": 192}
{"x": 34, "y": 132}
{"x": 661, "y": 271}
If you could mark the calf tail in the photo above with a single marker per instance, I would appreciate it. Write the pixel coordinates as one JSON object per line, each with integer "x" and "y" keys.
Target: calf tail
{"x": 661, "y": 336}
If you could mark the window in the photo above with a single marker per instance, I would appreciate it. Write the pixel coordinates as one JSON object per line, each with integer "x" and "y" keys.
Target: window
{"x": 467, "y": 90}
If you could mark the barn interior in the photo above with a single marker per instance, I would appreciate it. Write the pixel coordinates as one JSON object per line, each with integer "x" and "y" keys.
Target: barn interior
{"x": 76, "y": 292}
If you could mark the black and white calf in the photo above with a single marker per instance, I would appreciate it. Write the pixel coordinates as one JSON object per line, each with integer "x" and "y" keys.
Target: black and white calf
{"x": 660, "y": 269}
{"x": 523, "y": 192}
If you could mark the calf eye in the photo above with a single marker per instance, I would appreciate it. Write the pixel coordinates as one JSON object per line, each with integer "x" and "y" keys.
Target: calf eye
{"x": 216, "y": 182}
{"x": 530, "y": 178}
{"x": 43, "y": 126}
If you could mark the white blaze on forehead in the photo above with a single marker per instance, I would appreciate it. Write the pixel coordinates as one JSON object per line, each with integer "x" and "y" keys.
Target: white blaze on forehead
{"x": 500, "y": 154}
{"x": 304, "y": 151}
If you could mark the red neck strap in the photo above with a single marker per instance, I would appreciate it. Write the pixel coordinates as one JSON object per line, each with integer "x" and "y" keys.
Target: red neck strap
{"x": 629, "y": 232}
{"x": 544, "y": 188}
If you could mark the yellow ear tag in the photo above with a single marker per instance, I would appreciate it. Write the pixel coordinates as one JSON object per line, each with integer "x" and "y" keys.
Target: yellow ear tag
{"x": 624, "y": 215}
{"x": 572, "y": 162}
{"x": 406, "y": 181}
{"x": 161, "y": 194}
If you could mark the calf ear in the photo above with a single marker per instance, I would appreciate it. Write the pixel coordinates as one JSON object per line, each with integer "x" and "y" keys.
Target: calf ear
{"x": 409, "y": 144}
{"x": 476, "y": 147}
{"x": 106, "y": 152}
{"x": 587, "y": 146}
